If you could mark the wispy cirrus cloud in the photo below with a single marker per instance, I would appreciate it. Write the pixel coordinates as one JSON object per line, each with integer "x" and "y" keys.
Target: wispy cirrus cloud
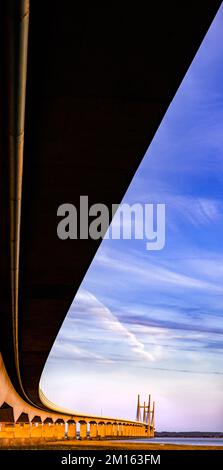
{"x": 147, "y": 271}
{"x": 99, "y": 322}
{"x": 65, "y": 349}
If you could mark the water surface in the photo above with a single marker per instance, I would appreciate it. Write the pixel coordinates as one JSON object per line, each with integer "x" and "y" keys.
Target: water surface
{"x": 192, "y": 441}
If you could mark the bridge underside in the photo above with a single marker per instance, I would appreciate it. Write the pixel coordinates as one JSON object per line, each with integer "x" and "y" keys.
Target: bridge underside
{"x": 99, "y": 81}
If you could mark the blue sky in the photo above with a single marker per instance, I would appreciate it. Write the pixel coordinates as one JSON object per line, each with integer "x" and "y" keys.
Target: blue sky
{"x": 151, "y": 322}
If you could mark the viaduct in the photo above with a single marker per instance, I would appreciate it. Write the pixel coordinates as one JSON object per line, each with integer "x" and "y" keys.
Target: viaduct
{"x": 83, "y": 90}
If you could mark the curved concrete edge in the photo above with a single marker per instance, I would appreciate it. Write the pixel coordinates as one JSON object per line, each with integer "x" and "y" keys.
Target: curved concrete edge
{"x": 52, "y": 407}
{"x": 9, "y": 395}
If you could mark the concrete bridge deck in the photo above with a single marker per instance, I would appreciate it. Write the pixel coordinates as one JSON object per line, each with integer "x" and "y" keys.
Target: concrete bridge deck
{"x": 20, "y": 420}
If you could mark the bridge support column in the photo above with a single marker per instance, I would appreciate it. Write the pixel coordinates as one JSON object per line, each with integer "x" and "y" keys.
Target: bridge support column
{"x": 46, "y": 431}
{"x": 101, "y": 430}
{"x": 127, "y": 430}
{"x": 71, "y": 433}
{"x": 124, "y": 432}
{"x": 83, "y": 430}
{"x": 59, "y": 430}
{"x": 93, "y": 430}
{"x": 36, "y": 430}
{"x": 119, "y": 430}
{"x": 7, "y": 430}
{"x": 53, "y": 431}
{"x": 148, "y": 431}
{"x": 22, "y": 431}
{"x": 108, "y": 430}
{"x": 115, "y": 429}
{"x": 142, "y": 431}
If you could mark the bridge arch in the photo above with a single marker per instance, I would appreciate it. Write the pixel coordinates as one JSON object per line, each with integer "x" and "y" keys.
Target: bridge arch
{"x": 6, "y": 413}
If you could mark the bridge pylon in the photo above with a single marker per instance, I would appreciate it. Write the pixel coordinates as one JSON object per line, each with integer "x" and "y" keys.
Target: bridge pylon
{"x": 148, "y": 412}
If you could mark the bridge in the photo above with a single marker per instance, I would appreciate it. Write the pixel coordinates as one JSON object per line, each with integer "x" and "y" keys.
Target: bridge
{"x": 83, "y": 91}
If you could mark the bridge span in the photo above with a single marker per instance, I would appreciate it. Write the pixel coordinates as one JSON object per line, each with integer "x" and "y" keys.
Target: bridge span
{"x": 83, "y": 90}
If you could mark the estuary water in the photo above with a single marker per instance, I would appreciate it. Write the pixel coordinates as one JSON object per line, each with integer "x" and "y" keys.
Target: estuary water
{"x": 192, "y": 441}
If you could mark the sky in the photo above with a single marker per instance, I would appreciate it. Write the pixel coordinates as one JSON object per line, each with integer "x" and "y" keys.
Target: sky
{"x": 151, "y": 321}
